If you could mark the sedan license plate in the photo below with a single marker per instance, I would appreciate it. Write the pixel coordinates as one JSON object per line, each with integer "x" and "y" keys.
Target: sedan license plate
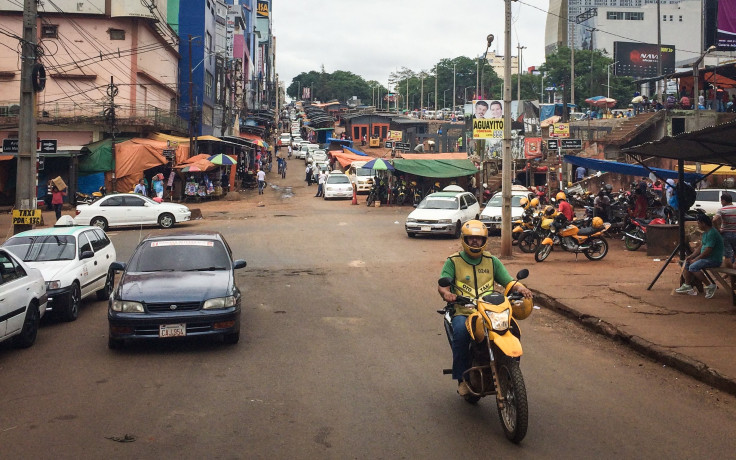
{"x": 426, "y": 228}
{"x": 172, "y": 330}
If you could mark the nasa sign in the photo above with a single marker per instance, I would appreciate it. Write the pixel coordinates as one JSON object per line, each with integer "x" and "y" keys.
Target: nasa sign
{"x": 640, "y": 59}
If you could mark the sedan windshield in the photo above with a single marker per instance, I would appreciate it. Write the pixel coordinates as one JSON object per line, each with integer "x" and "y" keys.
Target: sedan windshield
{"x": 180, "y": 255}
{"x": 438, "y": 203}
{"x": 497, "y": 202}
{"x": 338, "y": 179}
{"x": 43, "y": 248}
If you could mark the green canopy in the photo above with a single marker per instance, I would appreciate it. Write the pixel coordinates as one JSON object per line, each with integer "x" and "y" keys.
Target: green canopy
{"x": 436, "y": 168}
{"x": 97, "y": 156}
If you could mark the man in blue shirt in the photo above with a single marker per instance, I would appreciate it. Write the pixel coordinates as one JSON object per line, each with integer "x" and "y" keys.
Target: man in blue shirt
{"x": 710, "y": 256}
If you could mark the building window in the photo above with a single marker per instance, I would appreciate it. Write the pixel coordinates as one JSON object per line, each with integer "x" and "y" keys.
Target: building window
{"x": 670, "y": 18}
{"x": 634, "y": 16}
{"x": 625, "y": 3}
{"x": 116, "y": 34}
{"x": 615, "y": 15}
{"x": 206, "y": 115}
{"x": 680, "y": 18}
{"x": 49, "y": 31}
{"x": 208, "y": 81}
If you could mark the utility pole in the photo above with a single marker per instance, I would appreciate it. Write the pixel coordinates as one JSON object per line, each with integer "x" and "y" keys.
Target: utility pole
{"x": 436, "y": 94}
{"x": 421, "y": 98}
{"x": 506, "y": 157}
{"x": 407, "y": 92}
{"x": 659, "y": 58}
{"x": 477, "y": 77}
{"x": 572, "y": 71}
{"x": 454, "y": 87}
{"x": 519, "y": 49}
{"x": 191, "y": 102}
{"x": 27, "y": 176}
{"x": 111, "y": 118}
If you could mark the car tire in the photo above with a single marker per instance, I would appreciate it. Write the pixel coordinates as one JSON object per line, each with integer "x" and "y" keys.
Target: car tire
{"x": 28, "y": 333}
{"x": 100, "y": 222}
{"x": 104, "y": 293}
{"x": 458, "y": 229}
{"x": 232, "y": 338}
{"x": 115, "y": 344}
{"x": 411, "y": 234}
{"x": 166, "y": 220}
{"x": 71, "y": 310}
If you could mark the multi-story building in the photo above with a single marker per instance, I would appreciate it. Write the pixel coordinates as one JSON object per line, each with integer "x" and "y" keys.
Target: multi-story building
{"x": 497, "y": 63}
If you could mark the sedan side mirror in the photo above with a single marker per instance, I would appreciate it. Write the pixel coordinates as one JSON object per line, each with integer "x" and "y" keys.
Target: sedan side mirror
{"x": 117, "y": 266}
{"x": 240, "y": 263}
{"x": 86, "y": 255}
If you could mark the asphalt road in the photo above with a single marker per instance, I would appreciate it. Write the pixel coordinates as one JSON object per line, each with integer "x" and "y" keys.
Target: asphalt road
{"x": 341, "y": 356}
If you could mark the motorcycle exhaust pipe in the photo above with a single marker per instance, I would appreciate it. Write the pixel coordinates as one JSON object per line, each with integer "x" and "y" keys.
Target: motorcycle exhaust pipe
{"x": 634, "y": 237}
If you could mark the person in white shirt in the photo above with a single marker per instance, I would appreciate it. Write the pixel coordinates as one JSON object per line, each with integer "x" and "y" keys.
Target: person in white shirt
{"x": 289, "y": 148}
{"x": 261, "y": 181}
{"x": 321, "y": 184}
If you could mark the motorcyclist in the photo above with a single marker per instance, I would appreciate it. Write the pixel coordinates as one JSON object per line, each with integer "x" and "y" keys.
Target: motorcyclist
{"x": 564, "y": 207}
{"x": 474, "y": 272}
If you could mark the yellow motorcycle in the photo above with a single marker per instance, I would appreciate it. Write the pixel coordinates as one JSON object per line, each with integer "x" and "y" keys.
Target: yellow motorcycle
{"x": 495, "y": 349}
{"x": 586, "y": 240}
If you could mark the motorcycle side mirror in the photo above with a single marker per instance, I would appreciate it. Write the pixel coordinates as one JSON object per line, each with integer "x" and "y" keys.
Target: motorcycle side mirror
{"x": 523, "y": 273}
{"x": 445, "y": 282}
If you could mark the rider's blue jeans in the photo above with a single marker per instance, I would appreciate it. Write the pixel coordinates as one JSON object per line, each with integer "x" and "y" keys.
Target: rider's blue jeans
{"x": 460, "y": 347}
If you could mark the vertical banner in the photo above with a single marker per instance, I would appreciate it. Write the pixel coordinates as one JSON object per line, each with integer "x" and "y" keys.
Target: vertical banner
{"x": 487, "y": 119}
{"x": 306, "y": 93}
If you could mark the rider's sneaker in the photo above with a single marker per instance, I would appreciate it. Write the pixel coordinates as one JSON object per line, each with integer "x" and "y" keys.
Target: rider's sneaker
{"x": 462, "y": 389}
{"x": 710, "y": 291}
{"x": 684, "y": 289}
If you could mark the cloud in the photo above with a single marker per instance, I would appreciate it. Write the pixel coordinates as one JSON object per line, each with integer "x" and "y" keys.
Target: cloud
{"x": 373, "y": 39}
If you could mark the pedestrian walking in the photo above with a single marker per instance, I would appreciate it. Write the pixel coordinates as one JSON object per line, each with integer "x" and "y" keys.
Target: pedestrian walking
{"x": 57, "y": 200}
{"x": 283, "y": 169}
{"x": 308, "y": 174}
{"x": 261, "y": 180}
{"x": 290, "y": 151}
{"x": 321, "y": 184}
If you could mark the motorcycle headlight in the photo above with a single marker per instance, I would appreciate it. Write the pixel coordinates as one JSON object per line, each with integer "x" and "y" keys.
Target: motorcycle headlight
{"x": 219, "y": 302}
{"x": 127, "y": 306}
{"x": 56, "y": 284}
{"x": 499, "y": 321}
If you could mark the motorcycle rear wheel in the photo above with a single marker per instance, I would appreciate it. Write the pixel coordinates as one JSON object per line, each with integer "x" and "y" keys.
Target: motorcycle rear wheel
{"x": 542, "y": 252}
{"x": 514, "y": 413}
{"x": 529, "y": 242}
{"x": 633, "y": 244}
{"x": 598, "y": 249}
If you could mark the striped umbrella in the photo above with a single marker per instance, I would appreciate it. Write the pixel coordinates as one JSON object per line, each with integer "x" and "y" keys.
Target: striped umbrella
{"x": 378, "y": 164}
{"x": 222, "y": 159}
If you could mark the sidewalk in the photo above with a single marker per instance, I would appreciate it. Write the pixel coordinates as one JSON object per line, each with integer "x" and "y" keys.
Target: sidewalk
{"x": 693, "y": 334}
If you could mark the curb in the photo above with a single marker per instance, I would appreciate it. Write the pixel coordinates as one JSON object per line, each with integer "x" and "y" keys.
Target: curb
{"x": 685, "y": 364}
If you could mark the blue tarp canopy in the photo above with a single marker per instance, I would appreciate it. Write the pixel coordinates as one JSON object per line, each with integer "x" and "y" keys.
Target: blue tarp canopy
{"x": 627, "y": 168}
{"x": 549, "y": 110}
{"x": 346, "y": 142}
{"x": 357, "y": 152}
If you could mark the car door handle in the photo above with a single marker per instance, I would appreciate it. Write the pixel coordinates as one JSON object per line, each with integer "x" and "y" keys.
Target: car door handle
{"x": 95, "y": 262}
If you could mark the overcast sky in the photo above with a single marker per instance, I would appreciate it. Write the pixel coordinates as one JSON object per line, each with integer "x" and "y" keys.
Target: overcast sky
{"x": 376, "y": 37}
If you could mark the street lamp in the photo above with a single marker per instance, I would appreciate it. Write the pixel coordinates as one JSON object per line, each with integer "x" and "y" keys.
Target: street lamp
{"x": 444, "y": 99}
{"x": 466, "y": 93}
{"x": 489, "y": 40}
{"x": 429, "y": 94}
{"x": 696, "y": 70}
{"x": 608, "y": 75}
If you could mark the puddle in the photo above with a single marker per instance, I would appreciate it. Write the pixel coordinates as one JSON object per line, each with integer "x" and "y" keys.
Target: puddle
{"x": 286, "y": 192}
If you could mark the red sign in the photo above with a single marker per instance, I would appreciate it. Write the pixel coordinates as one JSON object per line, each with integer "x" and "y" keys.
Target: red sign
{"x": 533, "y": 147}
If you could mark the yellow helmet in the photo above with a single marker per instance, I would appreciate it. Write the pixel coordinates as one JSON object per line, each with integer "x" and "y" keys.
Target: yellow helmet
{"x": 523, "y": 309}
{"x": 523, "y": 202}
{"x": 561, "y": 196}
{"x": 549, "y": 210}
{"x": 534, "y": 203}
{"x": 473, "y": 228}
{"x": 597, "y": 222}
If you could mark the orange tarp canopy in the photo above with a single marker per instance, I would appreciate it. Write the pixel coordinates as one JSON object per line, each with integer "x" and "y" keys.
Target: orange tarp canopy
{"x": 721, "y": 81}
{"x": 181, "y": 144}
{"x": 250, "y": 136}
{"x": 194, "y": 159}
{"x": 345, "y": 158}
{"x": 434, "y": 156}
{"x": 134, "y": 156}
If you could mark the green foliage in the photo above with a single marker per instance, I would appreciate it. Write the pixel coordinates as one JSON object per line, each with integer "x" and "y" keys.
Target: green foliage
{"x": 411, "y": 86}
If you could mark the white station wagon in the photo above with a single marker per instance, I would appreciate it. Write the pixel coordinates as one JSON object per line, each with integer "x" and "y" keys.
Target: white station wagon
{"x": 74, "y": 261}
{"x": 443, "y": 213}
{"x": 124, "y": 209}
{"x": 22, "y": 300}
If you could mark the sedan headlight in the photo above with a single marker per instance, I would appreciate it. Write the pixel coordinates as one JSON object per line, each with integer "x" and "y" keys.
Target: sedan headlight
{"x": 127, "y": 306}
{"x": 444, "y": 221}
{"x": 219, "y": 302}
{"x": 183, "y": 210}
{"x": 56, "y": 284}
{"x": 410, "y": 219}
{"x": 499, "y": 321}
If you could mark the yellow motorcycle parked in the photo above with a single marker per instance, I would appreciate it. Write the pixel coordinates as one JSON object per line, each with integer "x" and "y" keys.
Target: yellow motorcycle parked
{"x": 588, "y": 240}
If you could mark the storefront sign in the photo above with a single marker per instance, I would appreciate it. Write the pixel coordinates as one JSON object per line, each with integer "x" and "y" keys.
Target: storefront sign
{"x": 559, "y": 130}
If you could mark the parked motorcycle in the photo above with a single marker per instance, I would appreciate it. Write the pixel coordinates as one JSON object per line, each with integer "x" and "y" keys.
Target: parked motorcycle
{"x": 586, "y": 240}
{"x": 378, "y": 191}
{"x": 495, "y": 350}
{"x": 636, "y": 234}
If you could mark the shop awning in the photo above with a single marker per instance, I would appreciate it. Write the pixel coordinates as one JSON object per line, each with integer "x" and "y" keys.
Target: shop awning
{"x": 711, "y": 169}
{"x": 626, "y": 168}
{"x": 357, "y": 152}
{"x": 436, "y": 168}
{"x": 98, "y": 157}
{"x": 434, "y": 156}
{"x": 254, "y": 138}
{"x": 346, "y": 158}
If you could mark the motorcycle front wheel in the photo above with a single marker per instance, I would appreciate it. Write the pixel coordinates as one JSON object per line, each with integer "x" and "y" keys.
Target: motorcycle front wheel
{"x": 542, "y": 252}
{"x": 514, "y": 411}
{"x": 633, "y": 244}
{"x": 597, "y": 250}
{"x": 528, "y": 242}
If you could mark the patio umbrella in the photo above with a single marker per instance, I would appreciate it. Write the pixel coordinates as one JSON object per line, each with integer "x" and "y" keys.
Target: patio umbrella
{"x": 222, "y": 159}
{"x": 191, "y": 168}
{"x": 601, "y": 101}
{"x": 378, "y": 164}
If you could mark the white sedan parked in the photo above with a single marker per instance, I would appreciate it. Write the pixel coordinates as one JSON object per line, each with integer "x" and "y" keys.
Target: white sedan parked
{"x": 130, "y": 209}
{"x": 22, "y": 300}
{"x": 442, "y": 213}
{"x": 74, "y": 261}
{"x": 338, "y": 186}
